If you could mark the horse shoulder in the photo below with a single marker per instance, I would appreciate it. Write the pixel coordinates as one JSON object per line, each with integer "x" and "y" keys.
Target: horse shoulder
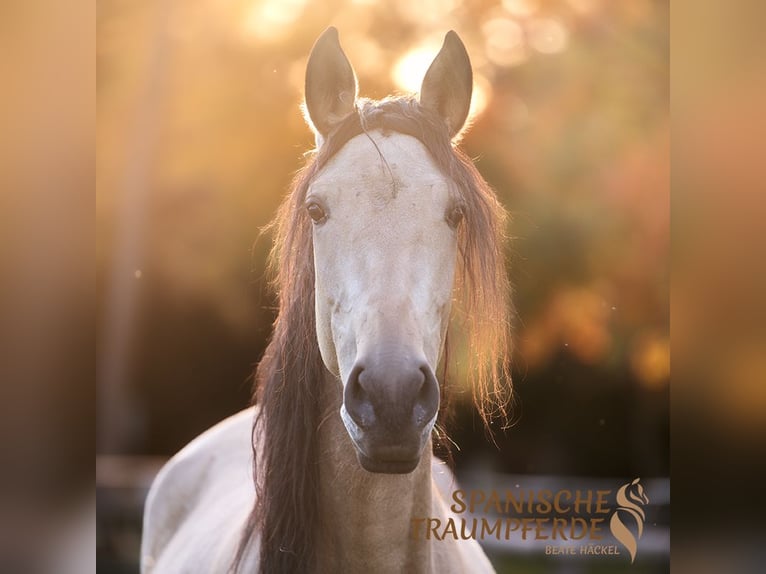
{"x": 204, "y": 486}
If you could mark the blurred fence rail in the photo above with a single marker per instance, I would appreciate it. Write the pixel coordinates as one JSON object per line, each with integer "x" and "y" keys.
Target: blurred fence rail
{"x": 122, "y": 483}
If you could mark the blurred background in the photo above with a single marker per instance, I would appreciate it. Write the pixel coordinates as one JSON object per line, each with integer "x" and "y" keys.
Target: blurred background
{"x": 199, "y": 134}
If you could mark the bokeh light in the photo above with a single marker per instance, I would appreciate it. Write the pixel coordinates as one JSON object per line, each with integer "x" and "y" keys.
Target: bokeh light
{"x": 521, "y": 7}
{"x": 409, "y": 70}
{"x": 505, "y": 42}
{"x": 270, "y": 20}
{"x": 547, "y": 36}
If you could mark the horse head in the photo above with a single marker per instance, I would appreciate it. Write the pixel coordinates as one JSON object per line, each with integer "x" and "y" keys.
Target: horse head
{"x": 385, "y": 222}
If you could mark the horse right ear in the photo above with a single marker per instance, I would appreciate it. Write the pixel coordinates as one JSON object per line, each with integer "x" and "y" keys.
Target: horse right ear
{"x": 331, "y": 86}
{"x": 448, "y": 84}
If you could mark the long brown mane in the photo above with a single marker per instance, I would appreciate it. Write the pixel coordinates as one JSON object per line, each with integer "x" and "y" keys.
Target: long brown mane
{"x": 289, "y": 376}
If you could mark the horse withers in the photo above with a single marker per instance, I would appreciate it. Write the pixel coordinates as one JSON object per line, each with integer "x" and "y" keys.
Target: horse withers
{"x": 386, "y": 225}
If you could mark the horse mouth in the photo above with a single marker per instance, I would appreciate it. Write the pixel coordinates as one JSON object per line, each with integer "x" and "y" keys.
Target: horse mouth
{"x": 385, "y": 457}
{"x": 385, "y": 466}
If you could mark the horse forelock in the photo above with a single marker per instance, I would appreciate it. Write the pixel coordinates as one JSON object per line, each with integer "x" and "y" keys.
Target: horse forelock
{"x": 289, "y": 376}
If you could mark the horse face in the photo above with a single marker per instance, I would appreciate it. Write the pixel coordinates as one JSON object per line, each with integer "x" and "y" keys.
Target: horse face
{"x": 385, "y": 245}
{"x": 384, "y": 255}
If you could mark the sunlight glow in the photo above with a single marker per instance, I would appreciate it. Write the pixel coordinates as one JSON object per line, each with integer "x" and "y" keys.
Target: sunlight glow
{"x": 409, "y": 70}
{"x": 269, "y": 20}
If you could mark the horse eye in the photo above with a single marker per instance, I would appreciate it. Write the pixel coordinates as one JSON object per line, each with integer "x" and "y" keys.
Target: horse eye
{"x": 316, "y": 212}
{"x": 455, "y": 216}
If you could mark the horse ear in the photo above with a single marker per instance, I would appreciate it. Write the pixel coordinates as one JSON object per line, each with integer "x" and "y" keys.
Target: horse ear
{"x": 330, "y": 83}
{"x": 448, "y": 84}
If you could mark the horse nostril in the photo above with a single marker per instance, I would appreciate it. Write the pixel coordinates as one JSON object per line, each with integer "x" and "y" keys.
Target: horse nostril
{"x": 423, "y": 391}
{"x": 357, "y": 399}
{"x": 356, "y": 391}
{"x": 427, "y": 400}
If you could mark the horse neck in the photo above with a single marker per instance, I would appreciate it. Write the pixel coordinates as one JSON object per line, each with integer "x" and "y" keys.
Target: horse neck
{"x": 368, "y": 516}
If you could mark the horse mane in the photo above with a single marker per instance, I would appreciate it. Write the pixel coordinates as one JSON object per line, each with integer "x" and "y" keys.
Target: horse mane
{"x": 288, "y": 378}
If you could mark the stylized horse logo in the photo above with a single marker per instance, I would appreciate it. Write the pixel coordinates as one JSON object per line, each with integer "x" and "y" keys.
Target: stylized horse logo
{"x": 630, "y": 498}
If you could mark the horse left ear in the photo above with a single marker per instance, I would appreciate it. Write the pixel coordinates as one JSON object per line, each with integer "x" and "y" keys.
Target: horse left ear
{"x": 448, "y": 84}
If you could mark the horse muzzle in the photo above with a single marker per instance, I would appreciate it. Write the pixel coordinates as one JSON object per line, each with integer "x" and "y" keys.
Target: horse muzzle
{"x": 389, "y": 408}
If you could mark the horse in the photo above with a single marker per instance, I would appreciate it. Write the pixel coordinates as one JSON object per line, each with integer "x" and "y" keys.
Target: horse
{"x": 386, "y": 226}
